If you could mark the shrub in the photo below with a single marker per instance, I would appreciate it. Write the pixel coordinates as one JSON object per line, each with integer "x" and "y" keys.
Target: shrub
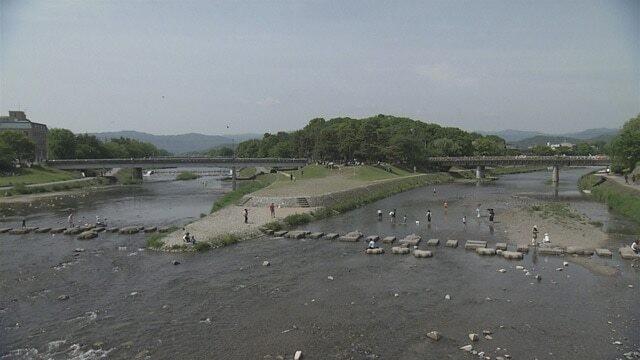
{"x": 202, "y": 246}
{"x": 274, "y": 225}
{"x": 298, "y": 219}
{"x": 224, "y": 240}
{"x": 155, "y": 241}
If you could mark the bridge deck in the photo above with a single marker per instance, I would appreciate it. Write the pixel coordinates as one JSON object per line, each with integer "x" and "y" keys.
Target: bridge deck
{"x": 521, "y": 160}
{"x": 174, "y": 162}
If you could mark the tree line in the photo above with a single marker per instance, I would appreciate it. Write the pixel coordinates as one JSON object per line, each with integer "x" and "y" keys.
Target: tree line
{"x": 16, "y": 148}
{"x": 380, "y": 138}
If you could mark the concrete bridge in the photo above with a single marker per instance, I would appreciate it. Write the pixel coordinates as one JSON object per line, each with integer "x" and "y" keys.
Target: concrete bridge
{"x": 172, "y": 162}
{"x": 480, "y": 162}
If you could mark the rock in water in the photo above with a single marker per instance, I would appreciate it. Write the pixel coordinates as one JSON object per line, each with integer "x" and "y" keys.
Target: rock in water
{"x": 447, "y": 297}
{"x": 266, "y": 263}
{"x": 63, "y": 297}
{"x": 434, "y": 335}
{"x": 467, "y": 348}
{"x": 474, "y": 337}
{"x": 298, "y": 355}
{"x": 175, "y": 262}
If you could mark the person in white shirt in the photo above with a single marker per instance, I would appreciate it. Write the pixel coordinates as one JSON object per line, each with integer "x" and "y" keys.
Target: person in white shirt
{"x": 372, "y": 244}
{"x": 546, "y": 238}
{"x": 635, "y": 246}
{"x": 379, "y": 214}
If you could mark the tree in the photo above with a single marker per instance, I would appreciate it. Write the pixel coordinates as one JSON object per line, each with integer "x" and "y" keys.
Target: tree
{"x": 625, "y": 148}
{"x": 89, "y": 147}
{"x": 489, "y": 146}
{"x": 61, "y": 144}
{"x": 542, "y": 150}
{"x": 444, "y": 147}
{"x": 7, "y": 157}
{"x": 23, "y": 148}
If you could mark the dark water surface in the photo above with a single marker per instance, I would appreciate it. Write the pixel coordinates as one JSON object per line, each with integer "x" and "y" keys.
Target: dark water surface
{"x": 126, "y": 302}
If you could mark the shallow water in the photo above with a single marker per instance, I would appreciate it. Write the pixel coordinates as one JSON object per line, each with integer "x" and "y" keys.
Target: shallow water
{"x": 126, "y": 302}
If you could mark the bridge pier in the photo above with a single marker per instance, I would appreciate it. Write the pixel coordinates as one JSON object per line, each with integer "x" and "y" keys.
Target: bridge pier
{"x": 234, "y": 177}
{"x": 480, "y": 172}
{"x": 555, "y": 174}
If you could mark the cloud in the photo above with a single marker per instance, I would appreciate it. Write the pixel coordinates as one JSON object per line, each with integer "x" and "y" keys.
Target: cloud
{"x": 445, "y": 74}
{"x": 268, "y": 101}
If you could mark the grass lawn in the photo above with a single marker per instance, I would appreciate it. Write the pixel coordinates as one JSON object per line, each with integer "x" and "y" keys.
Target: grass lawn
{"x": 371, "y": 173}
{"x": 247, "y": 172}
{"x": 37, "y": 175}
{"x": 312, "y": 172}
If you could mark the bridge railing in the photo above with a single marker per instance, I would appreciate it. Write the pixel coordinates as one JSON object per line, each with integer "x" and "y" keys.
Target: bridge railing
{"x": 518, "y": 157}
{"x": 178, "y": 160}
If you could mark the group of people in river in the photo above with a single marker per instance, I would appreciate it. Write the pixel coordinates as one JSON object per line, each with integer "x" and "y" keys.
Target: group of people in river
{"x": 393, "y": 214}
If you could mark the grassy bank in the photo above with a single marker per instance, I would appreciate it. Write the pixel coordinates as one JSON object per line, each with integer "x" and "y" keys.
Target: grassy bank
{"x": 21, "y": 189}
{"x": 244, "y": 187}
{"x": 381, "y": 191}
{"x": 187, "y": 175}
{"x": 37, "y": 175}
{"x": 617, "y": 197}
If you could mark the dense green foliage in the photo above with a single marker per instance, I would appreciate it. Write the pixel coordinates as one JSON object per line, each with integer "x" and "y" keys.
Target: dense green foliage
{"x": 36, "y": 175}
{"x": 625, "y": 148}
{"x": 380, "y": 138}
{"x": 15, "y": 147}
{"x": 63, "y": 144}
{"x": 580, "y": 149}
{"x": 187, "y": 175}
{"x": 22, "y": 189}
{"x": 619, "y": 198}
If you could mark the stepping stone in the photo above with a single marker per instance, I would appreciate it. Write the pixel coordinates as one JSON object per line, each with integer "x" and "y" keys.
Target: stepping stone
{"x": 331, "y": 236}
{"x": 86, "y": 235}
{"x": 21, "y": 231}
{"x": 410, "y": 240}
{"x": 268, "y": 231}
{"x": 389, "y": 239}
{"x": 550, "y": 251}
{"x": 376, "y": 251}
{"x": 280, "y": 233}
{"x": 512, "y": 255}
{"x": 604, "y": 252}
{"x": 316, "y": 235}
{"x": 150, "y": 229}
{"x": 578, "y": 250}
{"x": 4, "y": 230}
{"x": 422, "y": 253}
{"x": 628, "y": 254}
{"x": 99, "y": 229}
{"x": 485, "y": 251}
{"x": 372, "y": 238}
{"x": 351, "y": 237}
{"x": 57, "y": 230}
{"x": 42, "y": 230}
{"x": 523, "y": 248}
{"x": 115, "y": 230}
{"x": 501, "y": 246}
{"x": 87, "y": 227}
{"x": 72, "y": 231}
{"x": 164, "y": 229}
{"x": 474, "y": 244}
{"x": 296, "y": 234}
{"x": 433, "y": 242}
{"x": 130, "y": 230}
{"x": 451, "y": 243}
{"x": 400, "y": 250}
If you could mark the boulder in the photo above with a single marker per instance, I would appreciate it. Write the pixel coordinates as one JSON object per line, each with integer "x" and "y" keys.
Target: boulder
{"x": 331, "y": 236}
{"x": 434, "y": 335}
{"x": 474, "y": 337}
{"x": 42, "y": 230}
{"x": 628, "y": 254}
{"x": 467, "y": 348}
{"x": 451, "y": 243}
{"x": 388, "y": 239}
{"x": 604, "y": 252}
{"x": 523, "y": 248}
{"x": 550, "y": 251}
{"x": 351, "y": 237}
{"x": 150, "y": 229}
{"x": 372, "y": 238}
{"x": 57, "y": 230}
{"x": 376, "y": 251}
{"x": 422, "y": 253}
{"x": 474, "y": 244}
{"x": 485, "y": 251}
{"x": 130, "y": 230}
{"x": 501, "y": 246}
{"x": 578, "y": 250}
{"x": 512, "y": 255}
{"x": 4, "y": 230}
{"x": 316, "y": 235}
{"x": 86, "y": 235}
{"x": 400, "y": 250}
{"x": 280, "y": 233}
{"x": 410, "y": 240}
{"x": 433, "y": 242}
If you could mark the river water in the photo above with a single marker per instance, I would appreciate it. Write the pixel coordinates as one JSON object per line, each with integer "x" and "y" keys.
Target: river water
{"x": 127, "y": 302}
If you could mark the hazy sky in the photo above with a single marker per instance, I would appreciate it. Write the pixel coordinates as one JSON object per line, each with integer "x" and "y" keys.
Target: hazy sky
{"x": 197, "y": 66}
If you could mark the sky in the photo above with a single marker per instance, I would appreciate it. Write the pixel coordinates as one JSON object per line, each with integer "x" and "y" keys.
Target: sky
{"x": 228, "y": 67}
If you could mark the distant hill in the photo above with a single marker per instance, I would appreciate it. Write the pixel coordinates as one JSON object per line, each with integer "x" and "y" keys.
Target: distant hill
{"x": 183, "y": 143}
{"x": 523, "y": 139}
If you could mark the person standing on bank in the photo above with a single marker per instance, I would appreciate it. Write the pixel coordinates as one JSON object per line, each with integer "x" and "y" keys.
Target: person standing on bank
{"x": 272, "y": 210}
{"x": 246, "y": 215}
{"x": 429, "y": 216}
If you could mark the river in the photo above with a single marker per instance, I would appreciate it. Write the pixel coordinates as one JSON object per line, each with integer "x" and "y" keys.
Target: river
{"x": 127, "y": 302}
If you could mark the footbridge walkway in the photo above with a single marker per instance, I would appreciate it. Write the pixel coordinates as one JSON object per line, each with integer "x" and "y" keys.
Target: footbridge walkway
{"x": 480, "y": 162}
